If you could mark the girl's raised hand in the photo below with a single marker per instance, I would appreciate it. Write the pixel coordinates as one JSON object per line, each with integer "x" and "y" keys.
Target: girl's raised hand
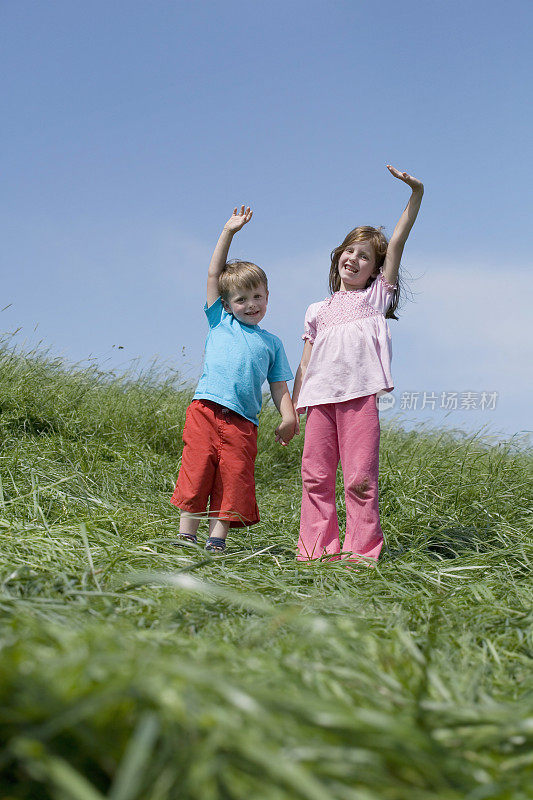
{"x": 238, "y": 219}
{"x": 414, "y": 183}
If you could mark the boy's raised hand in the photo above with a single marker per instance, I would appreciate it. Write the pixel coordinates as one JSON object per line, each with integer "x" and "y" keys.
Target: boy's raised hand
{"x": 238, "y": 219}
{"x": 220, "y": 253}
{"x": 414, "y": 183}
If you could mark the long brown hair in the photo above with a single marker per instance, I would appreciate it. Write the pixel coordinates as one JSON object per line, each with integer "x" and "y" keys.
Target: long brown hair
{"x": 364, "y": 233}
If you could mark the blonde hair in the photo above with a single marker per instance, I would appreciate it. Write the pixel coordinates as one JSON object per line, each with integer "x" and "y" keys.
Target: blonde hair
{"x": 238, "y": 275}
{"x": 379, "y": 242}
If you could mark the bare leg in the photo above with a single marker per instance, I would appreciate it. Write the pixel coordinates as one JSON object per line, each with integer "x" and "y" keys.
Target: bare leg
{"x": 189, "y": 523}
{"x": 218, "y": 528}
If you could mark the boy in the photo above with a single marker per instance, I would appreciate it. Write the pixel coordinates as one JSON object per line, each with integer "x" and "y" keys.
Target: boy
{"x": 220, "y": 433}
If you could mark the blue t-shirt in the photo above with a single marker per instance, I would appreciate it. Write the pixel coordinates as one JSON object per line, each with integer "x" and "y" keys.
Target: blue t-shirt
{"x": 239, "y": 358}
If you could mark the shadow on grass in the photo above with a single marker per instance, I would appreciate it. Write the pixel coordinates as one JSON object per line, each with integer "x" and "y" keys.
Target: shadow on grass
{"x": 460, "y": 539}
{"x": 451, "y": 542}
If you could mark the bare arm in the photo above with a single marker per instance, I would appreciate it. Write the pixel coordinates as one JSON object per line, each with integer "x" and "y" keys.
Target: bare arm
{"x": 403, "y": 226}
{"x": 300, "y": 372}
{"x": 220, "y": 253}
{"x": 282, "y": 400}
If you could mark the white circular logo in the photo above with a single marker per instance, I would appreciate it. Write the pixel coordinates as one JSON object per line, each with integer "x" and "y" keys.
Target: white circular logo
{"x": 386, "y": 401}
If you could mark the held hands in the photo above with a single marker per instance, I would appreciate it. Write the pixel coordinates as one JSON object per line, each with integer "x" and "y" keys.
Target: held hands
{"x": 285, "y": 431}
{"x": 238, "y": 219}
{"x": 414, "y": 183}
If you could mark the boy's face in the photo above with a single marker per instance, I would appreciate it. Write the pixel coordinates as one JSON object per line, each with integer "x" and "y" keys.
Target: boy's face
{"x": 248, "y": 305}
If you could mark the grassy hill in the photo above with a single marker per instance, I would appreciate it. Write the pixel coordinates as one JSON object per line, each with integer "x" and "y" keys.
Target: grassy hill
{"x": 132, "y": 669}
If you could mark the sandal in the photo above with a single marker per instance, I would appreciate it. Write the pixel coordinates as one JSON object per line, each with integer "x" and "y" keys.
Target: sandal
{"x": 215, "y": 545}
{"x": 186, "y": 539}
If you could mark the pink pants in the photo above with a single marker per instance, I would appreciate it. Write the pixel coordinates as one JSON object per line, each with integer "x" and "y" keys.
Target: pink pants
{"x": 349, "y": 431}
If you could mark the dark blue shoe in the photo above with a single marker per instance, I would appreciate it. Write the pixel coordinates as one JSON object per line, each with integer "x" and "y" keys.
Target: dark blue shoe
{"x": 215, "y": 545}
{"x": 185, "y": 539}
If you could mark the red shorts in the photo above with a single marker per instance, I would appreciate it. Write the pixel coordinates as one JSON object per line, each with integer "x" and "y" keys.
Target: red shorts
{"x": 218, "y": 463}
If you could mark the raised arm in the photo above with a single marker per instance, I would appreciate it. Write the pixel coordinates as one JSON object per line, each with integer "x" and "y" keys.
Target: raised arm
{"x": 403, "y": 226}
{"x": 220, "y": 254}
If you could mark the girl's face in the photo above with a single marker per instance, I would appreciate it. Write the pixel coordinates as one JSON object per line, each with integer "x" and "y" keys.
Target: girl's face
{"x": 357, "y": 263}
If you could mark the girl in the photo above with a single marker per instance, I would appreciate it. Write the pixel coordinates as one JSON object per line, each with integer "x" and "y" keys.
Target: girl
{"x": 345, "y": 365}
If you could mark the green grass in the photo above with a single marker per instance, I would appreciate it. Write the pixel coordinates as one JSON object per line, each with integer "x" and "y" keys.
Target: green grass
{"x": 134, "y": 669}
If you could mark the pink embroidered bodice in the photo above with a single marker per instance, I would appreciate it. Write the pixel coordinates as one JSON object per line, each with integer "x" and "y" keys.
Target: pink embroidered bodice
{"x": 352, "y": 351}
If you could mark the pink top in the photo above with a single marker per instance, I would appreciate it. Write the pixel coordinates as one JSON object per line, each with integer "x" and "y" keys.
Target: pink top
{"x": 352, "y": 351}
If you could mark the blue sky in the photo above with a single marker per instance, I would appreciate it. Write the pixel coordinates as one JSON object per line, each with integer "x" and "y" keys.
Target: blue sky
{"x": 131, "y": 129}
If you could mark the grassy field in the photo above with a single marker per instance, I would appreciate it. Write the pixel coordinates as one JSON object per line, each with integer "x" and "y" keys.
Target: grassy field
{"x": 132, "y": 669}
